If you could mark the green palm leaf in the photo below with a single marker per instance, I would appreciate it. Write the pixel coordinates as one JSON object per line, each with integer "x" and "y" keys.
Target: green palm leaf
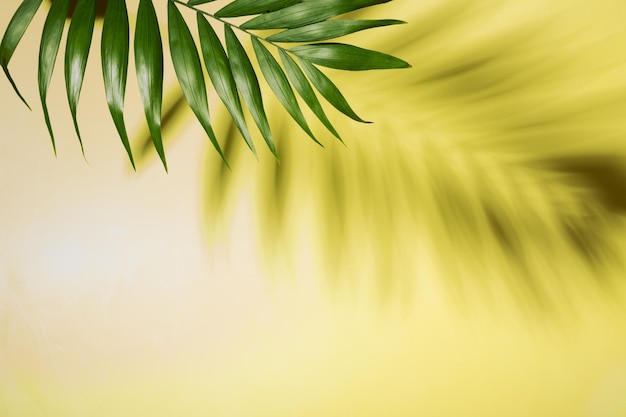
{"x": 233, "y": 75}
{"x": 347, "y": 57}
{"x": 306, "y": 13}
{"x": 329, "y": 90}
{"x": 149, "y": 67}
{"x": 300, "y": 83}
{"x": 329, "y": 29}
{"x": 115, "y": 50}
{"x": 76, "y": 54}
{"x": 48, "y": 49}
{"x": 16, "y": 29}
{"x": 189, "y": 70}
{"x": 249, "y": 7}
{"x": 278, "y": 82}
{"x": 197, "y": 2}
{"x": 218, "y": 67}
{"x": 248, "y": 85}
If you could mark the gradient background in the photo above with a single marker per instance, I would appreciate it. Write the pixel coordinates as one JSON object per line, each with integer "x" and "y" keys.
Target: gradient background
{"x": 112, "y": 301}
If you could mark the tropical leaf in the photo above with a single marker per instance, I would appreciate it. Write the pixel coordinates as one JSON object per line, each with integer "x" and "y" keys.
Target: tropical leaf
{"x": 248, "y": 85}
{"x": 306, "y": 13}
{"x": 189, "y": 70}
{"x": 198, "y": 2}
{"x": 329, "y": 29}
{"x": 231, "y": 67}
{"x": 76, "y": 54}
{"x": 115, "y": 50}
{"x": 249, "y": 7}
{"x": 279, "y": 83}
{"x": 347, "y": 57}
{"x": 300, "y": 83}
{"x": 149, "y": 67}
{"x": 218, "y": 67}
{"x": 16, "y": 29}
{"x": 48, "y": 49}
{"x": 329, "y": 90}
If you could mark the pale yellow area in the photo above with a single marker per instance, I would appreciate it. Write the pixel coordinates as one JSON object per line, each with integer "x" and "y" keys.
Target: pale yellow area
{"x": 112, "y": 303}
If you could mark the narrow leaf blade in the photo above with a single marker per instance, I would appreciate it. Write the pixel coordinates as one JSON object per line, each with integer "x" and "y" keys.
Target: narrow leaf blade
{"x": 347, "y": 57}
{"x": 48, "y": 50}
{"x": 197, "y": 2}
{"x": 189, "y": 70}
{"x": 306, "y": 13}
{"x": 76, "y": 53}
{"x": 279, "y": 84}
{"x": 329, "y": 29}
{"x": 218, "y": 67}
{"x": 17, "y": 27}
{"x": 248, "y": 85}
{"x": 329, "y": 90}
{"x": 149, "y": 68}
{"x": 302, "y": 86}
{"x": 114, "y": 51}
{"x": 249, "y": 7}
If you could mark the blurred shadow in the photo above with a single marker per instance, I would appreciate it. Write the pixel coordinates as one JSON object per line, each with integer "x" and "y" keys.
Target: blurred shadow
{"x": 498, "y": 159}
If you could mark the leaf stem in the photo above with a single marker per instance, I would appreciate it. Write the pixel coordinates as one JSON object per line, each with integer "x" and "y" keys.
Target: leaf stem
{"x": 225, "y": 22}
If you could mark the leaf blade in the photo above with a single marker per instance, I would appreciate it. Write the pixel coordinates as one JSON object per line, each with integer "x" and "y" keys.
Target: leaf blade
{"x": 239, "y": 8}
{"x": 189, "y": 71}
{"x": 279, "y": 84}
{"x": 329, "y": 90}
{"x": 76, "y": 53}
{"x": 347, "y": 57}
{"x": 149, "y": 69}
{"x": 307, "y": 13}
{"x": 198, "y": 2}
{"x": 248, "y": 85}
{"x": 329, "y": 29}
{"x": 48, "y": 50}
{"x": 13, "y": 35}
{"x": 220, "y": 73}
{"x": 300, "y": 83}
{"x": 115, "y": 47}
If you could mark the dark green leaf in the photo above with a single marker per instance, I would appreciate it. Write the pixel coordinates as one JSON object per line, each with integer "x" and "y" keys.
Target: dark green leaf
{"x": 329, "y": 29}
{"x": 189, "y": 70}
{"x": 149, "y": 67}
{"x": 48, "y": 49}
{"x": 248, "y": 85}
{"x": 76, "y": 53}
{"x": 248, "y": 7}
{"x": 347, "y": 57}
{"x": 306, "y": 13}
{"x": 279, "y": 84}
{"x": 218, "y": 67}
{"x": 329, "y": 90}
{"x": 197, "y": 2}
{"x": 115, "y": 47}
{"x": 299, "y": 81}
{"x": 14, "y": 32}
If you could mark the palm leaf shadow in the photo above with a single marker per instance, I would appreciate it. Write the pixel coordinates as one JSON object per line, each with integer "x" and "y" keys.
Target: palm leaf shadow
{"x": 483, "y": 154}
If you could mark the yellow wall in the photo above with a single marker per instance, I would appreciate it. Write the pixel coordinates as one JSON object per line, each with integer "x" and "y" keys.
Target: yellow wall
{"x": 112, "y": 303}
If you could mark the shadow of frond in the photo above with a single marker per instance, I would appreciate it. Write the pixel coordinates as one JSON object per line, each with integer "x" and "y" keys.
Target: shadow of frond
{"x": 498, "y": 159}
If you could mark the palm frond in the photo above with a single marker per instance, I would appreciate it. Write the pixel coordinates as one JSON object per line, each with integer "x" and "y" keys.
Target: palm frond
{"x": 229, "y": 66}
{"x": 16, "y": 29}
{"x": 115, "y": 50}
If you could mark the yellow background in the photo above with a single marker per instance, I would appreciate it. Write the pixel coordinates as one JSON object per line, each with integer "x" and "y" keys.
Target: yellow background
{"x": 112, "y": 303}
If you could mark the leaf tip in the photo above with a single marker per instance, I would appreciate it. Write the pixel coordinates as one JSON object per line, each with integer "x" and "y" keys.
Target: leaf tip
{"x": 132, "y": 163}
{"x": 5, "y": 68}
